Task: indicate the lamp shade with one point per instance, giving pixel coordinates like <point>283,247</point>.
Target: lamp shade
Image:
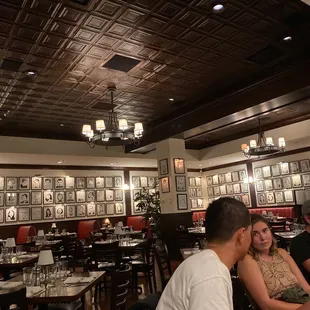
<point>54,225</point>
<point>45,258</point>
<point>10,243</point>
<point>107,221</point>
<point>100,125</point>
<point>253,144</point>
<point>41,233</point>
<point>118,230</point>
<point>244,147</point>
<point>269,141</point>
<point>120,224</point>
<point>86,129</point>
<point>281,142</point>
<point>138,129</point>
<point>123,125</point>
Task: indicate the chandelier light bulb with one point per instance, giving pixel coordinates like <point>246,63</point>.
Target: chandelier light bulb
<point>86,129</point>
<point>244,147</point>
<point>100,125</point>
<point>269,141</point>
<point>253,144</point>
<point>123,125</point>
<point>281,142</point>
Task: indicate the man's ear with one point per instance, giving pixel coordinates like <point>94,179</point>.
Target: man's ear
<point>239,235</point>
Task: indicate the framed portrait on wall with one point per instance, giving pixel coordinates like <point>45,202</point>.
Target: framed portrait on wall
<point>151,181</point>
<point>228,177</point>
<point>143,181</point>
<point>215,179</point>
<point>277,183</point>
<point>119,208</point>
<point>90,196</point>
<point>222,190</point>
<point>59,197</point>
<point>59,182</point>
<point>1,183</point>
<point>199,191</point>
<point>229,189</point>
<point>242,175</point>
<point>70,196</point>
<point>48,197</point>
<point>266,172</point>
<point>296,180</point>
<point>258,173</point>
<point>270,198</point>
<point>238,198</point>
<point>109,195</point>
<point>90,182</point>
<point>152,191</point>
<point>244,187</point>
<point>24,214</point>
<point>287,182</point>
<point>100,209</point>
<point>100,196</point>
<point>164,184</point>
<point>180,183</point>
<point>136,182</point>
<point>209,181</point>
<point>118,182</point>
<point>10,199</point>
<point>216,190</point>
<point>11,183</point>
<point>59,212</point>
<point>261,199</point>
<point>1,215</point>
<point>179,165</point>
<point>10,215</point>
<point>279,197</point>
<point>288,196</point>
<point>80,182</point>
<point>91,209</point>
<point>81,210</point>
<point>268,185</point>
<point>48,183</point>
<point>192,192</point>
<point>36,213</point>
<point>222,178</point>
<point>246,199</point>
<point>70,182</point>
<point>275,170</point>
<point>99,182</point>
<point>235,176</point>
<point>1,199</point>
<point>237,188</point>
<point>24,183</point>
<point>136,209</point>
<point>110,209</point>
<point>163,166</point>
<point>118,195</point>
<point>182,201</point>
<point>80,196</point>
<point>194,203</point>
<point>200,203</point>
<point>304,165</point>
<point>48,213</point>
<point>294,166</point>
<point>210,191</point>
<point>306,179</point>
<point>285,168</point>
<point>23,198</point>
<point>70,211</point>
<point>36,183</point>
<point>198,181</point>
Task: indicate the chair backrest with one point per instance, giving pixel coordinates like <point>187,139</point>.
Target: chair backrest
<point>24,232</point>
<point>163,262</point>
<point>109,253</point>
<point>186,240</point>
<point>119,290</point>
<point>70,245</point>
<point>78,265</point>
<point>16,297</point>
<point>148,303</point>
<point>278,226</point>
<point>85,227</point>
<point>240,298</point>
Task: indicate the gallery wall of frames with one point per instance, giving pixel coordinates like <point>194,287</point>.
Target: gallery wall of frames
<point>29,196</point>
<point>197,188</point>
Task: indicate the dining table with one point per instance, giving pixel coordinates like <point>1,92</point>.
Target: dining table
<point>187,252</point>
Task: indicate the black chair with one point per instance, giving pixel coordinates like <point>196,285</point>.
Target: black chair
<point>16,297</point>
<point>163,262</point>
<point>186,240</point>
<point>241,300</point>
<point>148,303</point>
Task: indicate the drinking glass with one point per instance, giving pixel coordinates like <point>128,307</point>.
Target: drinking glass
<point>19,250</point>
<point>4,252</point>
<point>28,276</point>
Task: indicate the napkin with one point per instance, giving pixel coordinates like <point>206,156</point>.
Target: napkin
<point>10,285</point>
<point>77,280</point>
<point>86,279</point>
<point>32,290</point>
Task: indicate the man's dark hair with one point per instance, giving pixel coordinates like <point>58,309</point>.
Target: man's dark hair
<point>224,217</point>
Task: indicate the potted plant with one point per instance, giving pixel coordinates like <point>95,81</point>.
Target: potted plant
<point>149,204</point>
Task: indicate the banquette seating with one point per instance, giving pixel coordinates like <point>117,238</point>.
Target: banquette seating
<point>85,228</point>
<point>137,222</point>
<point>197,215</point>
<point>24,232</point>
<point>287,212</point>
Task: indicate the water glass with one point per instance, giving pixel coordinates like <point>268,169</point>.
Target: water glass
<point>28,276</point>
<point>19,250</point>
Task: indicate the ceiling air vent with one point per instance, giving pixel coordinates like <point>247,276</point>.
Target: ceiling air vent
<point>9,64</point>
<point>266,55</point>
<point>121,63</point>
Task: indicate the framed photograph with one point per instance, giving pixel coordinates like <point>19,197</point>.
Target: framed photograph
<point>36,213</point>
<point>268,185</point>
<point>156,182</point>
<point>229,189</point>
<point>118,195</point>
<point>151,181</point>
<point>80,182</point>
<point>59,183</point>
<point>90,182</point>
<point>164,184</point>
<point>152,191</point>
<point>261,199</point>
<point>210,191</point>
<point>246,199</point>
<point>296,180</point>
<point>59,197</point>
<point>91,209</point>
<point>199,191</point>
<point>36,183</point>
<point>163,166</point>
<point>228,177</point>
<point>192,192</point>
<point>48,213</point>
<point>2,185</point>
<point>198,181</point>
<point>23,198</point>
<point>10,215</point>
<point>99,182</point>
<point>237,188</point>
<point>242,175</point>
<point>285,168</point>
<point>266,172</point>
<point>222,178</point>
<point>136,209</point>
<point>48,183</point>
<point>136,192</point>
<point>59,212</point>
<point>244,187</point>
<point>70,183</point>
<point>238,198</point>
<point>287,182</point>
<point>216,190</point>
<point>279,197</point>
<point>258,173</point>
<point>209,181</point>
<point>215,180</point>
<point>304,165</point>
<point>143,181</point>
<point>306,179</point>
<point>10,199</point>
<point>194,203</point>
<point>182,201</point>
<point>1,215</point>
<point>235,176</point>
<point>294,166</point>
<point>179,165</point>
<point>109,195</point>
<point>70,211</point>
<point>200,203</point>
<point>100,196</point>
<point>1,199</point>
<point>288,196</point>
<point>277,183</point>
<point>81,210</point>
<point>275,170</point>
<point>11,184</point>
<point>81,196</point>
<point>180,183</point>
<point>90,196</point>
<point>24,214</point>
<point>270,198</point>
<point>48,198</point>
<point>70,196</point>
<point>100,209</point>
<point>222,190</point>
<point>119,208</point>
<point>136,182</point>
<point>24,183</point>
<point>110,209</point>
<point>118,182</point>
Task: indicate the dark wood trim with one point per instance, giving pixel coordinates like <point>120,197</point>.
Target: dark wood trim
<point>251,185</point>
<point>127,193</point>
<point>242,162</point>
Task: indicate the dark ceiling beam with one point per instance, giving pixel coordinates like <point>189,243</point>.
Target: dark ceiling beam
<point>287,81</point>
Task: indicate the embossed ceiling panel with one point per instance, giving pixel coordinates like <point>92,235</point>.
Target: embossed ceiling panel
<point>183,51</point>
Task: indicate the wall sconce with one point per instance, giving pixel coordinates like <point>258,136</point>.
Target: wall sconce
<point>249,180</point>
<point>125,187</point>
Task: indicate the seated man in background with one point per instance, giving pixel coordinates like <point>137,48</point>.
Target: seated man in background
<point>203,280</point>
<point>300,245</point>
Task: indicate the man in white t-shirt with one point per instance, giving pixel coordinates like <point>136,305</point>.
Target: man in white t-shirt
<point>202,282</point>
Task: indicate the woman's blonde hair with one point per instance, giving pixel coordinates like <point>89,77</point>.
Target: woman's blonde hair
<point>256,218</point>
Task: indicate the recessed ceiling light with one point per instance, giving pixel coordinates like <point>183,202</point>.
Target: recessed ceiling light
<point>61,125</point>
<point>218,8</point>
<point>171,99</point>
<point>200,165</point>
<point>60,162</point>
<point>287,39</point>
<point>30,72</point>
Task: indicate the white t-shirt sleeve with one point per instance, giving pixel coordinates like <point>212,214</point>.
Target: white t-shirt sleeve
<point>213,294</point>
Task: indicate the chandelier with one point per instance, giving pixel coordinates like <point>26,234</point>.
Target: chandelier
<point>263,146</point>
<point>116,133</point>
